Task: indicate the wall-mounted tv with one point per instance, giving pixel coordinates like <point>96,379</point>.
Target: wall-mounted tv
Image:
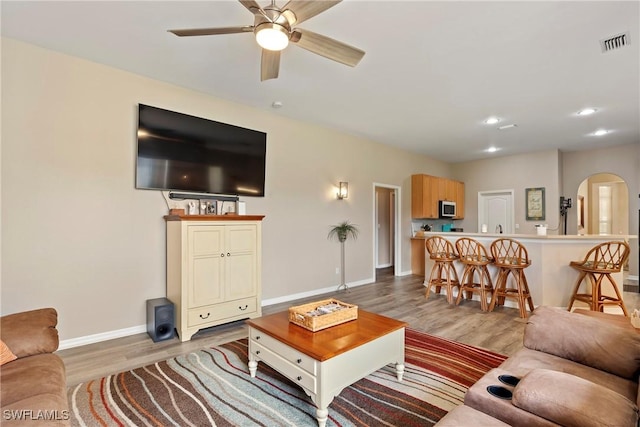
<point>180,152</point>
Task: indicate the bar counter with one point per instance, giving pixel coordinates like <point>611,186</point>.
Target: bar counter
<point>550,277</point>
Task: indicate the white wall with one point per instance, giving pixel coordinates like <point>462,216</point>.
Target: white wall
<point>77,236</point>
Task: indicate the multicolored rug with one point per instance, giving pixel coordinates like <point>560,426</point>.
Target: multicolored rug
<point>213,387</point>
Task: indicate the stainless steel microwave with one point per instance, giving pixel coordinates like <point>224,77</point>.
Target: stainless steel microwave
<point>447,209</point>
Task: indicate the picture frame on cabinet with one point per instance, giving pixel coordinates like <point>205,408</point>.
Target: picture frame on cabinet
<point>535,203</point>
<point>207,207</point>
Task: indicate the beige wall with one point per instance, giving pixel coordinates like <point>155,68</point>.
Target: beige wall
<point>77,236</point>
<point>561,174</point>
<point>518,172</point>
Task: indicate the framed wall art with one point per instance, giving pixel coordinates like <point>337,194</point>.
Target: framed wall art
<point>534,198</point>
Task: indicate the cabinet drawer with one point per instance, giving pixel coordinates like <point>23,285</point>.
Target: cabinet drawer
<point>289,354</point>
<point>210,313</point>
<point>285,367</point>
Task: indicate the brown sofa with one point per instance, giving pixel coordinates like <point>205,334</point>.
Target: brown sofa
<point>33,386</point>
<point>574,370</point>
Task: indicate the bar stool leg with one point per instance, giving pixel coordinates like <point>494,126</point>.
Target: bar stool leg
<point>527,292</point>
<point>619,300</point>
<point>451,274</point>
<point>465,280</point>
<point>499,290</point>
<point>576,288</point>
<point>486,287</point>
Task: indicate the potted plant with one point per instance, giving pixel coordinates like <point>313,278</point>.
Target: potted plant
<point>342,232</point>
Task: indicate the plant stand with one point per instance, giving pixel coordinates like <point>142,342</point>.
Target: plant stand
<point>343,283</point>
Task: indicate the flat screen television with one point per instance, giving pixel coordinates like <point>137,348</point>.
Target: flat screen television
<point>184,153</point>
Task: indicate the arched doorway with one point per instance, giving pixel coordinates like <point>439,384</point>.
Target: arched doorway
<point>603,205</point>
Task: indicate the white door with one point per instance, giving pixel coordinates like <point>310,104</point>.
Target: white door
<point>496,211</point>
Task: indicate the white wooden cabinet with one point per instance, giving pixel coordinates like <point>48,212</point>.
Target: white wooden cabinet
<point>213,269</point>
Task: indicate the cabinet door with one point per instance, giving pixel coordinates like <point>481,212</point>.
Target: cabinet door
<point>205,259</point>
<point>431,196</point>
<point>459,198</point>
<point>424,196</point>
<point>240,261</point>
<point>446,189</point>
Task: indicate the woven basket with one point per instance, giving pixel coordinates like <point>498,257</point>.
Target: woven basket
<point>310,317</point>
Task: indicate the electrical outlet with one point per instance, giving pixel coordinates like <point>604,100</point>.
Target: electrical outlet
<point>337,270</point>
<point>517,226</point>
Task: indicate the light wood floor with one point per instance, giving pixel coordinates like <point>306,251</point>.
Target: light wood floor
<point>398,297</point>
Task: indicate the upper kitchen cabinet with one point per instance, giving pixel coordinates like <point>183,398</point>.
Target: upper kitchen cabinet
<point>427,190</point>
<point>424,196</point>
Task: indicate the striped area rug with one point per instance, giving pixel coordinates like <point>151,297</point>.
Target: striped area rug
<point>213,387</point>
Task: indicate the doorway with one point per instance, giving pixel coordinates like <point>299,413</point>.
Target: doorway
<point>496,211</point>
<point>386,230</point>
<point>603,205</point>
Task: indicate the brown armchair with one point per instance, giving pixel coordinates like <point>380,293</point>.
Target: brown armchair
<point>33,386</point>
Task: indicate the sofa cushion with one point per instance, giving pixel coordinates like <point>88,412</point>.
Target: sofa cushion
<point>477,397</point>
<point>572,401</point>
<point>586,340</point>
<point>29,377</point>
<point>6,355</point>
<point>526,360</point>
<point>30,332</point>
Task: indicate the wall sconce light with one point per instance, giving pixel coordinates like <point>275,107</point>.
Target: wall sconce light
<point>343,190</point>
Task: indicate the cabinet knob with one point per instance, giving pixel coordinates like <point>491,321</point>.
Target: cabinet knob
<point>205,317</point>
<point>257,351</point>
<point>222,255</point>
<point>299,378</point>
<point>299,361</point>
<point>228,254</point>
<point>244,308</point>
<point>257,337</point>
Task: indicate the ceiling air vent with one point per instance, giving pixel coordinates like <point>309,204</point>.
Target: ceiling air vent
<point>615,42</point>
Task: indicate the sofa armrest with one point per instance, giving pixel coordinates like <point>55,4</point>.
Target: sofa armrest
<point>573,401</point>
<point>30,332</point>
<point>586,340</point>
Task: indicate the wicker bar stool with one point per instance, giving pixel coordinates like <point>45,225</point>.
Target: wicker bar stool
<point>475,259</point>
<point>511,258</point>
<point>600,262</point>
<point>443,273</point>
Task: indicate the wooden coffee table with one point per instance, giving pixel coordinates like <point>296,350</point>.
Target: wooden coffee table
<point>323,363</point>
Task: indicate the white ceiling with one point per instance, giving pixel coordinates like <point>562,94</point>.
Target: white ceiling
<point>432,73</point>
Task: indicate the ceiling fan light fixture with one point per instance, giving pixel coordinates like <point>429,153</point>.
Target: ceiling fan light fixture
<point>272,36</point>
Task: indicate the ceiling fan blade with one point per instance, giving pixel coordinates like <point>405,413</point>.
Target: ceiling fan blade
<point>270,64</point>
<point>305,9</point>
<point>327,47</point>
<point>212,31</point>
<point>252,5</point>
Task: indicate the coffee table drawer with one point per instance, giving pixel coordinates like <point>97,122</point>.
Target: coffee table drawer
<point>285,367</point>
<point>209,313</point>
<point>293,356</point>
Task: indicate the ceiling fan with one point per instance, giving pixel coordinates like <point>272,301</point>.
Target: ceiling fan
<point>274,29</point>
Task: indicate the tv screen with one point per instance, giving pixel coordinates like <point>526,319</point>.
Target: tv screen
<point>185,153</point>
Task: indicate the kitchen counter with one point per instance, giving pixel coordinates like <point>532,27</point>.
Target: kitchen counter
<point>550,277</point>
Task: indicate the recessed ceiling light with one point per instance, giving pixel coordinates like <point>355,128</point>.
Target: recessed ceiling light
<point>601,132</point>
<point>586,111</point>
<point>492,120</point>
<point>276,104</point>
<point>505,127</point>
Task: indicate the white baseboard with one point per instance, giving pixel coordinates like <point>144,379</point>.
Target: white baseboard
<point>315,292</point>
<point>104,336</point>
